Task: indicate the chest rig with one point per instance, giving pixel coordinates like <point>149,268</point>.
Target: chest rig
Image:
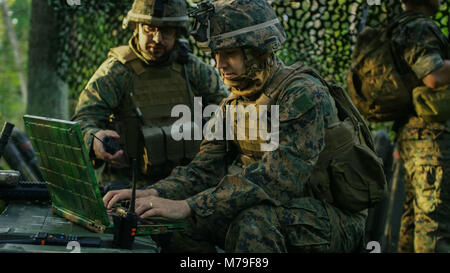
<point>144,118</point>
<point>247,125</point>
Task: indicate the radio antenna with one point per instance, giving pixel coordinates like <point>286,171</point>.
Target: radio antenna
<point>133,190</point>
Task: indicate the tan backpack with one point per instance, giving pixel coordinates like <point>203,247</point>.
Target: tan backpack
<point>379,83</point>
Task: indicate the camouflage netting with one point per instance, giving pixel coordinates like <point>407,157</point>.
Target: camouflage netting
<point>319,32</point>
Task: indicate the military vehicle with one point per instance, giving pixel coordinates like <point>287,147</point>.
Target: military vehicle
<point>65,212</point>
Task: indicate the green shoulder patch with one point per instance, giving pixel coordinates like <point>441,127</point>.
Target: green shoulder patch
<point>303,103</point>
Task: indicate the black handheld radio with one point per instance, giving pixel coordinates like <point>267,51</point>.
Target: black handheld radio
<point>125,226</point>
<point>109,144</point>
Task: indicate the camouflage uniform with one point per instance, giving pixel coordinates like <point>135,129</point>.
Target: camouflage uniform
<point>107,92</point>
<point>265,206</point>
<point>424,148</point>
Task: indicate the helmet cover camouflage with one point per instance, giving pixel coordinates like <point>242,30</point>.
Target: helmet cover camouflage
<point>168,13</point>
<point>240,23</point>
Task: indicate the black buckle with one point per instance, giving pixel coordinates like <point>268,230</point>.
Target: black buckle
<point>200,29</point>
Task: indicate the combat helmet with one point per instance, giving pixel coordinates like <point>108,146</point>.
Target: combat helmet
<point>170,13</point>
<point>237,23</point>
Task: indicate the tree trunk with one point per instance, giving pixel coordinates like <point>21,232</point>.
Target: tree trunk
<point>15,48</point>
<point>47,93</point>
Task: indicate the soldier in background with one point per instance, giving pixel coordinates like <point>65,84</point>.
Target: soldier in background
<point>377,215</point>
<point>424,143</point>
<point>130,96</point>
<point>235,194</point>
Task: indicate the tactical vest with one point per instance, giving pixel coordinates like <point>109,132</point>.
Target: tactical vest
<point>144,118</point>
<point>250,145</point>
<point>348,173</point>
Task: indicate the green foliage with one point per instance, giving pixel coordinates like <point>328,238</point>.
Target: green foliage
<point>87,32</point>
<point>319,33</point>
<point>12,107</point>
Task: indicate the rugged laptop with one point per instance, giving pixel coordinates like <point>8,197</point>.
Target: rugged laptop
<point>69,175</point>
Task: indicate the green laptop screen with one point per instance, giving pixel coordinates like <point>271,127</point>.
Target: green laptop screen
<point>67,170</point>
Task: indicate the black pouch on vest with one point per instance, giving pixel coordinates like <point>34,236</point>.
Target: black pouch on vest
<point>155,144</point>
<point>174,148</point>
<point>355,179</point>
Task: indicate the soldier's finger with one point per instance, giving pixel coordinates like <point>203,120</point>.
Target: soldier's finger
<point>143,204</point>
<point>107,156</point>
<point>108,197</point>
<point>152,212</point>
<point>119,196</point>
<point>117,155</point>
<point>141,209</point>
<point>99,150</point>
<point>111,202</point>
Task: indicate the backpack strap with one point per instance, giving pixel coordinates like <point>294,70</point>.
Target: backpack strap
<point>403,19</point>
<point>400,20</point>
<point>273,90</point>
<point>345,106</point>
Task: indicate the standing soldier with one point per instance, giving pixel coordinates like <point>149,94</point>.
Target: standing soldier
<point>424,137</point>
<point>131,95</point>
<point>270,200</point>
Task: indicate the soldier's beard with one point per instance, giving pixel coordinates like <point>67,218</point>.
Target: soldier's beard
<point>160,55</point>
<point>146,54</point>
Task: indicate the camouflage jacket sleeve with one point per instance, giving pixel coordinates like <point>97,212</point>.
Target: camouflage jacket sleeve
<point>281,175</point>
<point>101,95</point>
<point>422,45</point>
<point>206,81</point>
<point>203,172</point>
